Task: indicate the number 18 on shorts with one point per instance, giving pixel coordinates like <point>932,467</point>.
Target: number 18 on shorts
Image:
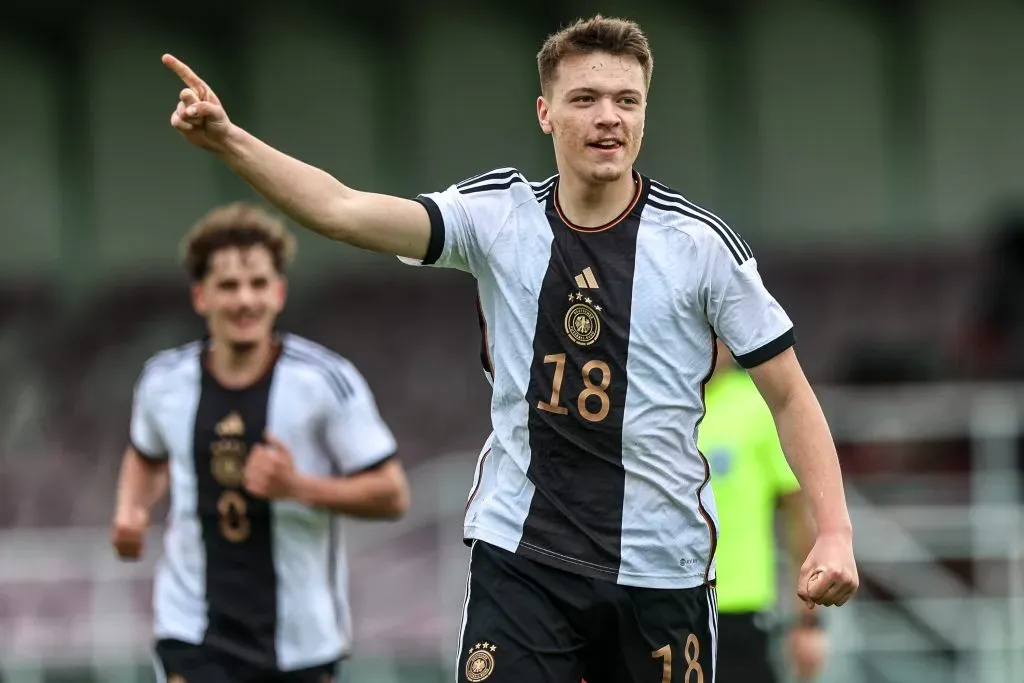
<point>525,621</point>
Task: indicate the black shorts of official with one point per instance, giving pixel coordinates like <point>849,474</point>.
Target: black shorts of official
<point>188,663</point>
<point>529,623</point>
<point>744,653</point>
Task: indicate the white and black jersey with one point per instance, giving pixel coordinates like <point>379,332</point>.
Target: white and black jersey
<point>263,581</point>
<point>598,343</point>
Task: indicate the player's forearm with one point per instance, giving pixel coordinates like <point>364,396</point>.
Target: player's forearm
<point>807,443</point>
<point>317,200</point>
<point>306,193</point>
<point>373,495</point>
<point>141,483</point>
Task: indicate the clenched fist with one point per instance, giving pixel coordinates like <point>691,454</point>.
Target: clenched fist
<point>270,470</point>
<point>128,532</point>
<point>829,574</point>
<point>199,115</point>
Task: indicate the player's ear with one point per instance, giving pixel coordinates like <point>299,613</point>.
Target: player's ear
<point>543,115</point>
<point>281,291</point>
<point>199,298</point>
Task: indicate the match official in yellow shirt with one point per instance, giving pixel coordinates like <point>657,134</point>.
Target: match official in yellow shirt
<point>751,479</point>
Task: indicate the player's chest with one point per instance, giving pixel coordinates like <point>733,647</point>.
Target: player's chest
<point>215,430</point>
<point>600,282</point>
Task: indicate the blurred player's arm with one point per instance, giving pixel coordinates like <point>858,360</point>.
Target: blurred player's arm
<point>380,492</point>
<point>142,481</point>
<point>799,539</point>
<point>806,641</point>
<point>144,476</point>
<point>309,195</point>
<point>377,491</point>
<point>372,483</point>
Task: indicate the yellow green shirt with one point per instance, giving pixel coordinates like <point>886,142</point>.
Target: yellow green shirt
<point>748,474</point>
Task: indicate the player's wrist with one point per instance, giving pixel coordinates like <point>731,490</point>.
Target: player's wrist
<point>232,145</point>
<point>299,488</point>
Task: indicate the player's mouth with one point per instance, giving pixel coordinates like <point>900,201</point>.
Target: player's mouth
<point>606,145</point>
<point>245,320</point>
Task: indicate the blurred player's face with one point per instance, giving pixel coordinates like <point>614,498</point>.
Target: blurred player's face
<point>241,296</point>
<point>594,111</point>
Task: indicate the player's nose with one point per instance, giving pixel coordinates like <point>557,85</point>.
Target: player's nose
<point>607,114</point>
<point>246,297</point>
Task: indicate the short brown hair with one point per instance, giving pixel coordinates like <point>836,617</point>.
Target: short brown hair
<point>597,34</point>
<point>238,224</point>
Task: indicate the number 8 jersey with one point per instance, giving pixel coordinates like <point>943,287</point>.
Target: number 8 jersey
<point>263,581</point>
<point>598,343</point>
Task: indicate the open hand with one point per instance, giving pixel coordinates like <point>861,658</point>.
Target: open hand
<point>270,470</point>
<point>199,116</point>
<point>829,574</point>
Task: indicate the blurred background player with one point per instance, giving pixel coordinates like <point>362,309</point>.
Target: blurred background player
<point>750,479</point>
<point>263,438</point>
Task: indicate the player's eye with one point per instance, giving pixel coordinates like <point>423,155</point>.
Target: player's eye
<point>583,98</point>
<point>260,283</point>
<point>631,101</point>
<point>227,285</point>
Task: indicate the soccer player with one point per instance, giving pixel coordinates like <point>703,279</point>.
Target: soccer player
<point>592,524</point>
<point>263,439</point>
<point>750,478</point>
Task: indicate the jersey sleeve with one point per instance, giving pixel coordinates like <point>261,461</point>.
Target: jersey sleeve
<point>144,433</point>
<point>465,220</point>
<point>356,434</point>
<point>739,307</point>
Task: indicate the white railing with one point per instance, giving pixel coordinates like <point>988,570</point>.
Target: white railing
<point>901,547</point>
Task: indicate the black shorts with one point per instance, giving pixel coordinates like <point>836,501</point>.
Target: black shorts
<point>744,649</point>
<point>187,663</point>
<point>527,622</point>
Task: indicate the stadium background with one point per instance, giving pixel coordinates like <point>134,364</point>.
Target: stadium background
<point>870,152</point>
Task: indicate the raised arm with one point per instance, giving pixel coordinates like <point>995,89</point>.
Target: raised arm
<point>310,196</point>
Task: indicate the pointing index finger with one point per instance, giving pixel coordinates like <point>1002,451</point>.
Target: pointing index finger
<point>184,72</point>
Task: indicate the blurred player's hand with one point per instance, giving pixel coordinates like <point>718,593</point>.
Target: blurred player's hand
<point>199,116</point>
<point>128,532</point>
<point>829,574</point>
<point>807,651</point>
<point>270,470</point>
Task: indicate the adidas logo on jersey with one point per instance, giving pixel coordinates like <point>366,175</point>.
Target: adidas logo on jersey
<point>231,425</point>
<point>586,279</point>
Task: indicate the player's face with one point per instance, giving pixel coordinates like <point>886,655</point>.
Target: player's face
<point>594,111</point>
<point>241,295</point>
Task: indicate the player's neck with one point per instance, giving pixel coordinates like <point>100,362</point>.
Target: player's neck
<point>239,367</point>
<point>592,205</point>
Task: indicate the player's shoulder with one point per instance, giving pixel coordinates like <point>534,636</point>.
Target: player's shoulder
<point>670,208</point>
<point>173,361</point>
<point>308,361</point>
<point>505,186</point>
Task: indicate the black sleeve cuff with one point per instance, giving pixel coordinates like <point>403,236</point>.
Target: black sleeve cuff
<point>373,466</point>
<point>436,244</point>
<point>148,457</point>
<point>768,351</point>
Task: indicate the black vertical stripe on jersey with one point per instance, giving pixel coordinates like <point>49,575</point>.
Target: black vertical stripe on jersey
<point>575,517</point>
<point>241,583</point>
